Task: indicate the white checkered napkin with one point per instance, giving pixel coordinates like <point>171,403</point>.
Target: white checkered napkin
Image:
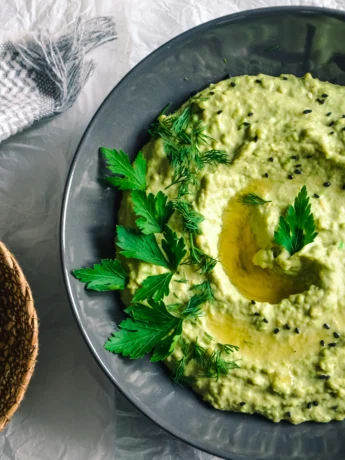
<point>43,76</point>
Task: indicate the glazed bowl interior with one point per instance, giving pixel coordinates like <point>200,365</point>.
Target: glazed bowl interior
<point>292,40</point>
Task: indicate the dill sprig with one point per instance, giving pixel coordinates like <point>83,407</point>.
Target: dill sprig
<point>215,157</point>
<point>178,371</point>
<point>193,308</point>
<point>191,219</point>
<point>205,289</point>
<point>198,353</point>
<point>253,199</point>
<point>218,366</point>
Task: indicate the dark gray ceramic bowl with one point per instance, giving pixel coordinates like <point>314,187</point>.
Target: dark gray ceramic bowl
<point>276,40</point>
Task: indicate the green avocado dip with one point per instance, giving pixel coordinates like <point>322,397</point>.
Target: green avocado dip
<point>253,171</point>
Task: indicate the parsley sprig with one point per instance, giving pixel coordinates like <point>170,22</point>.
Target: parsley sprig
<point>153,211</point>
<point>297,229</point>
<point>118,163</point>
<point>154,327</point>
<point>144,331</point>
<point>109,275</point>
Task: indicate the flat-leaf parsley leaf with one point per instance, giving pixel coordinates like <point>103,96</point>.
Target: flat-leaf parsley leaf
<point>106,276</point>
<point>118,163</point>
<point>138,246</point>
<point>174,247</point>
<point>154,287</point>
<point>141,333</point>
<point>297,229</point>
<point>154,211</point>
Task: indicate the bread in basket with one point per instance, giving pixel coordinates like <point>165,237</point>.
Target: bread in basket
<point>18,335</point>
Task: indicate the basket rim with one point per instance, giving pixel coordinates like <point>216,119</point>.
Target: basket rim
<point>12,262</point>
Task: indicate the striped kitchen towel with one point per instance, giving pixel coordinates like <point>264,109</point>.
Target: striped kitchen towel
<point>42,76</point>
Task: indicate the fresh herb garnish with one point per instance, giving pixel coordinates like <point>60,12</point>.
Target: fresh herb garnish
<point>178,372</point>
<point>154,287</point>
<point>214,157</point>
<point>198,353</point>
<point>218,366</point>
<point>165,347</point>
<point>253,199</point>
<point>193,307</point>
<point>142,332</point>
<point>109,275</point>
<point>134,174</point>
<point>174,247</point>
<point>191,219</point>
<point>138,246</point>
<point>157,286</point>
<point>204,289</point>
<point>154,211</point>
<point>297,229</point>
<point>157,327</point>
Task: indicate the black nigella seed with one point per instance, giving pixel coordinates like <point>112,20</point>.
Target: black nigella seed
<point>276,330</point>
<point>320,101</point>
<point>256,313</point>
<point>233,84</point>
<point>271,159</point>
<point>258,81</point>
<point>256,138</point>
<point>295,157</point>
<point>316,195</point>
<point>246,123</point>
<point>343,187</point>
<point>298,165</point>
<point>253,302</point>
<point>265,320</point>
<point>309,405</point>
<point>288,414</point>
<point>315,403</point>
<point>266,175</point>
<point>336,335</point>
<point>332,132</point>
<point>325,95</point>
<point>329,114</point>
<point>343,129</point>
<point>297,330</point>
<point>284,78</point>
<point>324,377</point>
<point>322,343</point>
<point>212,93</point>
<point>334,407</point>
<point>250,114</point>
<point>242,403</point>
<point>331,123</point>
<point>290,176</point>
<point>309,156</point>
<point>327,326</point>
<point>307,111</point>
<point>298,171</point>
<point>332,344</point>
<point>326,184</point>
<point>219,112</point>
<point>287,326</point>
<point>343,116</point>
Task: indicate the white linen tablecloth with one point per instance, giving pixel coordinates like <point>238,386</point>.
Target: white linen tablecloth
<point>71,410</point>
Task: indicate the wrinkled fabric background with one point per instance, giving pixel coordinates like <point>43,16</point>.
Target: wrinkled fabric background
<point>71,411</point>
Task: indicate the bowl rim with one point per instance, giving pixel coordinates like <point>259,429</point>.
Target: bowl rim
<point>234,17</point>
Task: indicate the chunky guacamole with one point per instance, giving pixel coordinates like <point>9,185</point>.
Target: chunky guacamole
<point>281,313</point>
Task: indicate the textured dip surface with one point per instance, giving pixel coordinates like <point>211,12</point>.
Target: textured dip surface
<point>284,312</point>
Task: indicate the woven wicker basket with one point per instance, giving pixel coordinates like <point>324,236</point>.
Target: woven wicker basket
<point>18,335</point>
